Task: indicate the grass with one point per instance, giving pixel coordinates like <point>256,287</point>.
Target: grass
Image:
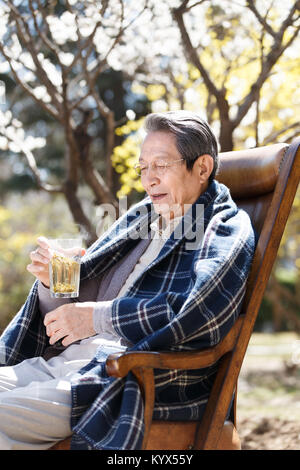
<point>269,382</point>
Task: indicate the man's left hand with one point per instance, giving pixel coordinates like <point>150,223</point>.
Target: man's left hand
<point>71,322</point>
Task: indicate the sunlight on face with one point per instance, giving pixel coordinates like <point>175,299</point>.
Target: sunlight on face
<point>174,188</point>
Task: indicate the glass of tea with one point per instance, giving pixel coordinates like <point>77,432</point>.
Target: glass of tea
<point>64,267</point>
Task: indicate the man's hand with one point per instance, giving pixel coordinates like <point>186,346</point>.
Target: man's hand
<point>40,258</point>
<point>72,322</point>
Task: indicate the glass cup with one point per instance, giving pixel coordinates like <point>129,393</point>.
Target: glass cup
<point>64,267</point>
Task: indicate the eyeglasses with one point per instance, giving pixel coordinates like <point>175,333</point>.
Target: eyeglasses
<point>159,167</point>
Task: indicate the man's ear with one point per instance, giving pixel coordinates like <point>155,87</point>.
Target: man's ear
<point>205,166</point>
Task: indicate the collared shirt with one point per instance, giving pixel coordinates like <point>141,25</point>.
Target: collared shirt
<point>158,239</point>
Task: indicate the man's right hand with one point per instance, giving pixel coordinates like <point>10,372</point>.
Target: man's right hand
<point>40,258</point>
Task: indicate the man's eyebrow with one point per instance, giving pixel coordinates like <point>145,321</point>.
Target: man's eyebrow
<point>164,157</point>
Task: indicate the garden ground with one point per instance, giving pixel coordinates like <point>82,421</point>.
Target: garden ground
<point>268,407</point>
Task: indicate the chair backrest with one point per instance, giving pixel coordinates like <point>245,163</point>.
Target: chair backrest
<point>263,181</point>
<point>251,175</point>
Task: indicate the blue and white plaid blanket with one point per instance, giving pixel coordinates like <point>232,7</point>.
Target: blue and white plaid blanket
<point>187,299</point>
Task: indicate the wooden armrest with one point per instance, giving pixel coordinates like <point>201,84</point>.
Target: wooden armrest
<point>119,364</point>
<point>142,363</point>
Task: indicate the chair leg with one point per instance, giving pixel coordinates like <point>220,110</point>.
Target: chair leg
<point>229,439</point>
<point>62,445</point>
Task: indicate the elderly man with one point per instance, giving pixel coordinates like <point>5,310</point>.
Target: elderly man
<point>178,287</point>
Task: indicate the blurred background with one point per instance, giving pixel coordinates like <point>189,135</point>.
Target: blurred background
<point>76,81</point>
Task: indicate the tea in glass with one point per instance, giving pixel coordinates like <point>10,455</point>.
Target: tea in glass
<point>64,267</point>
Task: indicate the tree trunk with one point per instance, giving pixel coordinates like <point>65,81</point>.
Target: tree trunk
<point>92,178</point>
<point>226,135</point>
<point>87,230</point>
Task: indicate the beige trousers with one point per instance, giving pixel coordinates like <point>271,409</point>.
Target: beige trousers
<point>35,403</point>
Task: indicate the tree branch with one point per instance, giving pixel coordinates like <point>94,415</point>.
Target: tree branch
<point>274,136</point>
<point>33,166</point>
<point>191,52</point>
<point>97,66</point>
<point>73,158</point>
<point>183,7</point>
<point>86,43</point>
<point>52,111</point>
<point>50,45</point>
<point>108,116</point>
<point>97,69</point>
<point>188,8</point>
<point>25,38</point>
<point>87,230</point>
<point>91,175</point>
<point>94,71</point>
<point>272,57</point>
<point>192,55</point>
<point>263,20</point>
<point>289,19</point>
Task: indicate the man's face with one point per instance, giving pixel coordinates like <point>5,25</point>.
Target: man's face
<point>169,187</point>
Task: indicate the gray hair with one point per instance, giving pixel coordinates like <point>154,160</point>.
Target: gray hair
<point>194,136</point>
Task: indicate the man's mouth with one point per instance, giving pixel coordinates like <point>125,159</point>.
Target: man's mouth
<point>157,197</point>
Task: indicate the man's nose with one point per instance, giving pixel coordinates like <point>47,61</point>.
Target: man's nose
<point>151,176</point>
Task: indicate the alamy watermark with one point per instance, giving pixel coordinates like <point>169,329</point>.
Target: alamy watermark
<point>178,221</point>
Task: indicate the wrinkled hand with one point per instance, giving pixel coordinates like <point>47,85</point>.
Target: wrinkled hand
<point>71,322</point>
<point>40,258</point>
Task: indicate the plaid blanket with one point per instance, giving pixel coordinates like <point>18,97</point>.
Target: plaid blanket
<point>187,299</point>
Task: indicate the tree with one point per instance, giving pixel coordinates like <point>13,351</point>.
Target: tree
<point>236,63</point>
<point>224,59</point>
<point>230,51</point>
<point>56,52</point>
<point>268,57</point>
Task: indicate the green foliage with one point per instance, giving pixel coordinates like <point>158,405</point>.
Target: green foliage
<point>126,155</point>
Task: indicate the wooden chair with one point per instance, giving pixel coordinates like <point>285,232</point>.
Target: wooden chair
<point>263,181</point>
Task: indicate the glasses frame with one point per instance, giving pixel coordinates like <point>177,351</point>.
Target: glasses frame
<point>137,166</point>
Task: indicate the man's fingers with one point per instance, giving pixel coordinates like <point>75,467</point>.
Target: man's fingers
<point>43,242</point>
<point>52,328</point>
<point>50,317</point>
<point>59,334</point>
<point>35,268</point>
<point>69,339</point>
<point>44,252</point>
<point>37,257</point>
